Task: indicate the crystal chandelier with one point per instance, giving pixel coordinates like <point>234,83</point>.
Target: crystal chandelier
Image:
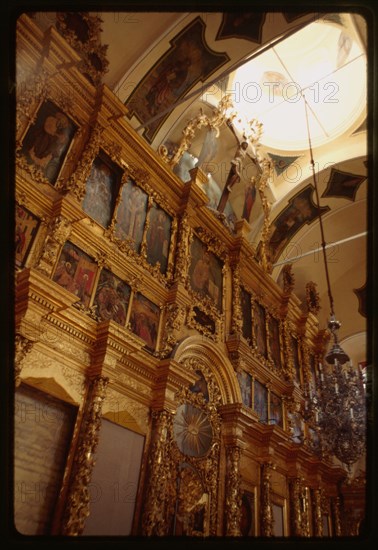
<point>337,407</point>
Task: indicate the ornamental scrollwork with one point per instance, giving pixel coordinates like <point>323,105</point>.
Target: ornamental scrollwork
<point>312,298</point>
<point>77,181</point>
<point>288,279</point>
<point>182,254</point>
<point>23,346</point>
<point>219,117</point>
<point>59,231</point>
<point>174,320</point>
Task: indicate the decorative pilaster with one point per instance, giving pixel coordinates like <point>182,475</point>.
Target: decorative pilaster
<point>317,512</point>
<point>77,508</point>
<point>266,505</point>
<point>233,492</point>
<point>23,346</point>
<point>154,520</point>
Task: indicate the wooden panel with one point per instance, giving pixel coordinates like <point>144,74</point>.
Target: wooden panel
<point>114,483</point>
<point>43,430</point>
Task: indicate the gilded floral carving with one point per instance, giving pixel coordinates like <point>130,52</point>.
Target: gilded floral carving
<point>78,501</point>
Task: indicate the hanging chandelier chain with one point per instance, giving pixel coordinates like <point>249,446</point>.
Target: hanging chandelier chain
<point>323,243</point>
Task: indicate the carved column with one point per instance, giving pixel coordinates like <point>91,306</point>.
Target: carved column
<point>233,491</point>
<point>237,315</point>
<point>154,520</point>
<point>22,348</point>
<point>295,507</point>
<point>266,505</point>
<point>77,507</point>
<point>317,512</point>
<point>183,252</point>
<point>335,506</point>
<point>305,513</point>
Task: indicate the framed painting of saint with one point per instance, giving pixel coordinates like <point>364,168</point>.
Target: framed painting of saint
<point>276,415</point>
<point>131,214</point>
<point>259,326</point>
<point>76,272</point>
<point>245,383</point>
<point>205,272</point>
<point>245,298</point>
<point>274,341</point>
<point>101,189</point>
<point>260,401</point>
<point>26,229</point>
<point>158,237</point>
<point>144,320</point>
<point>48,139</point>
<point>112,298</point>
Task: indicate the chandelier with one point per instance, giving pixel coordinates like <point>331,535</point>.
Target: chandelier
<point>336,409</point>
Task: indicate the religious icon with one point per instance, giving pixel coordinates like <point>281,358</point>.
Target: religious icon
<point>260,401</point>
<point>158,237</point>
<point>274,341</point>
<point>144,320</point>
<point>246,314</point>
<point>48,139</point>
<point>276,416</point>
<point>235,173</point>
<point>26,229</point>
<point>76,272</point>
<point>259,325</point>
<point>112,298</point>
<point>205,272</point>
<point>249,199</point>
<point>101,189</point>
<point>131,214</point>
<point>245,383</point>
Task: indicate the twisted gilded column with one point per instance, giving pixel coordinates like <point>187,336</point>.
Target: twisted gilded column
<point>266,505</point>
<point>299,508</point>
<point>237,314</point>
<point>154,518</point>
<point>77,507</point>
<point>295,507</point>
<point>317,512</point>
<point>335,503</point>
<point>233,491</point>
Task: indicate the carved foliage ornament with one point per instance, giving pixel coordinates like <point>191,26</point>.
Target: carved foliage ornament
<point>83,32</point>
<point>78,501</point>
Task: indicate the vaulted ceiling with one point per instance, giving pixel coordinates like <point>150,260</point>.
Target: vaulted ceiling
<point>166,67</point>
